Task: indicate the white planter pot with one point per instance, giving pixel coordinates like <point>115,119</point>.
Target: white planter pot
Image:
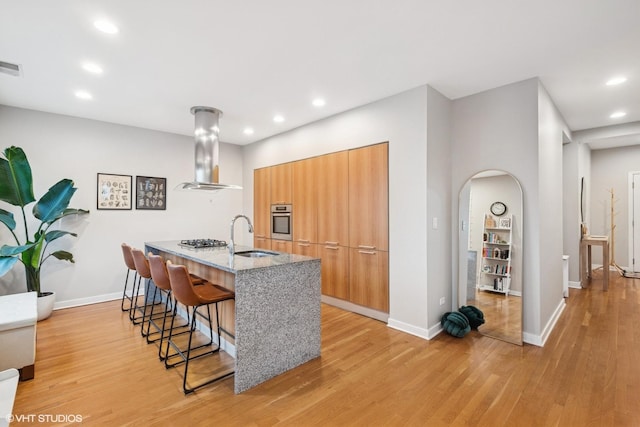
<point>45,305</point>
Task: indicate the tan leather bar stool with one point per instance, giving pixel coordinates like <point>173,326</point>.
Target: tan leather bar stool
<point>160,278</point>
<point>128,261</point>
<point>142,267</point>
<point>195,297</point>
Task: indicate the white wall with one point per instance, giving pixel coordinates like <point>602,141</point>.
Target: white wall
<point>551,127</point>
<point>66,147</point>
<point>438,206</point>
<point>400,120</point>
<point>499,129</point>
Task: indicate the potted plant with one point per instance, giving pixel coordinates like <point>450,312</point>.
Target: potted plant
<point>16,188</point>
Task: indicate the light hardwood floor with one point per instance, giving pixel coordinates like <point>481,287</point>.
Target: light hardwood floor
<point>92,362</point>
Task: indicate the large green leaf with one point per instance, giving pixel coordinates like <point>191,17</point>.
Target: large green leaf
<point>53,204</point>
<point>32,257</point>
<point>8,250</point>
<point>6,264</point>
<point>63,255</point>
<point>16,182</point>
<point>71,211</point>
<point>56,234</point>
<point>7,219</point>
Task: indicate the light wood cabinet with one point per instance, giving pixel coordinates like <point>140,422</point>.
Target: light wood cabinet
<point>281,245</point>
<point>261,242</point>
<point>262,203</point>
<point>333,199</point>
<point>306,249</point>
<point>304,175</point>
<point>369,198</point>
<point>281,184</point>
<point>340,210</point>
<point>335,271</point>
<point>369,278</point>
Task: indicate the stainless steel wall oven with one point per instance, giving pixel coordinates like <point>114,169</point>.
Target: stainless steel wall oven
<point>281,222</point>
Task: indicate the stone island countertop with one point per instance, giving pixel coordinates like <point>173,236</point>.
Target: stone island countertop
<point>276,315</point>
<point>220,258</point>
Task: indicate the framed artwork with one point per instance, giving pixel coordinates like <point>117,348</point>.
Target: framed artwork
<point>151,193</point>
<point>114,192</point>
<point>505,223</point>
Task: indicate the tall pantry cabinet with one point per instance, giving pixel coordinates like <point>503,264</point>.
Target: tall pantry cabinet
<point>369,227</point>
<point>281,184</point>
<point>262,208</point>
<point>304,175</point>
<point>333,224</point>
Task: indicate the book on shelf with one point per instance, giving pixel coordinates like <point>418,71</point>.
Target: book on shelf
<point>501,283</point>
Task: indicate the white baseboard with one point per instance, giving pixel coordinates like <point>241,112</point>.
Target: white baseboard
<point>540,340</point>
<point>58,305</point>
<point>411,329</point>
<point>435,330</point>
<point>574,285</point>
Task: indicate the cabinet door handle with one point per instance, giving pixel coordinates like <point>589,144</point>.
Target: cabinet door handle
<point>333,248</point>
<point>260,236</point>
<point>366,247</point>
<point>304,244</point>
<point>367,252</point>
<point>331,243</point>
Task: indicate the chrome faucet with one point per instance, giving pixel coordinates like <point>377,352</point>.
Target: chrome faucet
<point>231,244</point>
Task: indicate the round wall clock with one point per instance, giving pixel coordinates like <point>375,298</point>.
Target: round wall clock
<point>498,208</point>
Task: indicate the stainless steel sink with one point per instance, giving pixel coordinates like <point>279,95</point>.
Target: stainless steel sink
<point>255,253</point>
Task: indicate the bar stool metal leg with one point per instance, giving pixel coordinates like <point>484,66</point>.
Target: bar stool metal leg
<point>144,272</point>
<point>128,260</point>
<point>160,277</point>
<point>196,297</point>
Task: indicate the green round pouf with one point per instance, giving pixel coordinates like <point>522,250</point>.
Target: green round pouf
<point>474,314</point>
<point>455,324</point>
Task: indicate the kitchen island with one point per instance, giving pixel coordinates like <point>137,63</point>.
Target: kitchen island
<point>274,324</point>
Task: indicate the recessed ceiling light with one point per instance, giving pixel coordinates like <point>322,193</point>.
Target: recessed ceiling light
<point>248,131</point>
<point>318,102</point>
<point>618,114</point>
<point>82,94</point>
<point>278,118</point>
<point>106,26</point>
<point>92,68</point>
<point>616,81</point>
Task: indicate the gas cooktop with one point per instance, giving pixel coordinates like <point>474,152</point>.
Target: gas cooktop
<point>203,243</point>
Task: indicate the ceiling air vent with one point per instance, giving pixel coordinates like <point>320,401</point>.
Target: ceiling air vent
<point>9,68</point>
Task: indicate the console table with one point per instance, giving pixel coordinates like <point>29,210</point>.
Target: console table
<point>585,259</point>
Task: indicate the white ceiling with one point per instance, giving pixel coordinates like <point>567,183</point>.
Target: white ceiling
<point>253,59</point>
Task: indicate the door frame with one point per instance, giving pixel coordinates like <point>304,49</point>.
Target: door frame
<point>631,222</point>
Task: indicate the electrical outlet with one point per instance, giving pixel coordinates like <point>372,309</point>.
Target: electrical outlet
<point>442,300</point>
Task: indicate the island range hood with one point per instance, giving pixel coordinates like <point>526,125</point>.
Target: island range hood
<point>206,153</point>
